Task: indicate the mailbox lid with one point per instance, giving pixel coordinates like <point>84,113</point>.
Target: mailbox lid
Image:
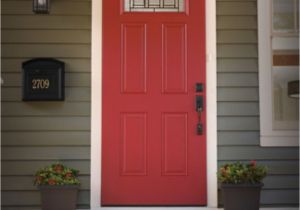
<point>43,63</point>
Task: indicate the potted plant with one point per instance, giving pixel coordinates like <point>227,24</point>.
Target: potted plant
<point>241,184</point>
<point>58,185</point>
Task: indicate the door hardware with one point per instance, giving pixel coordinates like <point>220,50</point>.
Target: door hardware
<point>199,109</point>
<point>199,129</point>
<point>199,103</point>
<point>199,87</point>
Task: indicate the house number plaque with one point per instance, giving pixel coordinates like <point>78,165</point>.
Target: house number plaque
<point>43,80</point>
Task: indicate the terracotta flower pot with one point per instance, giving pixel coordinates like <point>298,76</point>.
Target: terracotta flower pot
<point>241,196</point>
<point>59,197</point>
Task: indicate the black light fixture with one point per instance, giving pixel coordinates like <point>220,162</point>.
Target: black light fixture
<point>41,6</point>
<point>293,89</point>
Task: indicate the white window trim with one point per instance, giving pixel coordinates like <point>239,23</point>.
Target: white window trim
<point>96,107</point>
<point>268,136</point>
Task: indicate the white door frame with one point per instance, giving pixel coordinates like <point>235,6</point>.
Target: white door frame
<point>96,102</point>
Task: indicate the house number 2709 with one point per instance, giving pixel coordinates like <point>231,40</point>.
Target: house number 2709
<point>40,84</point>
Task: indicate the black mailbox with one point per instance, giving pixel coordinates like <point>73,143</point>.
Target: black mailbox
<point>43,80</point>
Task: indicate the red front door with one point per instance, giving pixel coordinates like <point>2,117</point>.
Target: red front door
<point>151,152</point>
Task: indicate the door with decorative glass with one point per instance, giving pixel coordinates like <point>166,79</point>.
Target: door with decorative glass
<point>154,136</point>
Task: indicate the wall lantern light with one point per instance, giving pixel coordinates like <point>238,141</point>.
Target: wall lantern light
<point>41,6</point>
<point>293,89</point>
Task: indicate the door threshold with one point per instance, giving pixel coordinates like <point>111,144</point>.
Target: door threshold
<point>177,208</point>
<point>154,208</point>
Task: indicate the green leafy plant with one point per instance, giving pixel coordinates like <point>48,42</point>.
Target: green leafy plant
<point>241,173</point>
<point>56,174</point>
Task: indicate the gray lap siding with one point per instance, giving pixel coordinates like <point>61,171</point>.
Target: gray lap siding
<point>35,134</point>
<point>238,104</point>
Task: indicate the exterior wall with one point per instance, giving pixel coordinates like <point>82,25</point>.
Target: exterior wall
<point>35,134</point>
<point>238,105</point>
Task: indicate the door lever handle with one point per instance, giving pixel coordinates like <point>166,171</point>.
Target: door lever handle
<point>199,103</point>
<point>199,109</point>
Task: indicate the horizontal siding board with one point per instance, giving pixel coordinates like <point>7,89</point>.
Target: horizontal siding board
<point>281,182</point>
<point>280,197</point>
<point>45,123</point>
<point>238,109</point>
<point>237,94</point>
<point>78,80</point>
<point>276,167</point>
<point>33,207</point>
<point>71,80</point>
<point>237,80</point>
<point>238,138</point>
<point>46,153</point>
<point>236,8</point>
<point>238,123</point>
<point>53,50</point>
<point>236,22</point>
<point>14,7</point>
<point>25,183</point>
<point>45,109</point>
<point>236,36</point>
<point>77,94</point>
<point>33,198</point>
<point>256,152</point>
<point>14,65</point>
<point>289,167</point>
<point>46,36</point>
<point>29,167</point>
<point>47,138</point>
<point>282,167</point>
<point>238,65</point>
<point>38,22</point>
<point>237,51</point>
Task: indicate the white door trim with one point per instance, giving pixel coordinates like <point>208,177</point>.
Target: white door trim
<point>96,102</point>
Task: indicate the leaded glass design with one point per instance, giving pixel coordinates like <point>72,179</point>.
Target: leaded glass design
<point>154,5</point>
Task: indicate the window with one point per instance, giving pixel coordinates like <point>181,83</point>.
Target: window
<point>154,5</point>
<point>278,26</point>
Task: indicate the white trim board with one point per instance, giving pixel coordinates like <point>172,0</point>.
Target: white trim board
<point>96,115</point>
